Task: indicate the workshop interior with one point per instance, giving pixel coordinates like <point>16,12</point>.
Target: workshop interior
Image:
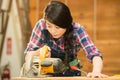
<point>101,19</point>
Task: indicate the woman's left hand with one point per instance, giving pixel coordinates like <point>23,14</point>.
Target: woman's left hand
<point>96,75</point>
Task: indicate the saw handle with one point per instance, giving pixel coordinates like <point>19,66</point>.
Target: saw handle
<point>44,51</point>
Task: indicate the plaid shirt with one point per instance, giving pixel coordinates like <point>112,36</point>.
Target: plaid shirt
<point>80,39</point>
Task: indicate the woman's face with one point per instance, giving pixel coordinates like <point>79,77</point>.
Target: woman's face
<point>54,30</point>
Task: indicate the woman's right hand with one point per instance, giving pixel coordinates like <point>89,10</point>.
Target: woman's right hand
<point>31,53</point>
<point>37,53</point>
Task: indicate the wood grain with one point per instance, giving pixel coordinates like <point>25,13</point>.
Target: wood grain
<point>67,78</point>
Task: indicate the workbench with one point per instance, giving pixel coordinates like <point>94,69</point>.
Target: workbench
<point>67,78</point>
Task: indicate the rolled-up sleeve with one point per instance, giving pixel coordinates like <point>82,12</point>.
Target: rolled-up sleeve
<point>36,39</point>
<point>87,45</point>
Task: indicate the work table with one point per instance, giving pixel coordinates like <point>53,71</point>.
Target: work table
<point>66,78</point>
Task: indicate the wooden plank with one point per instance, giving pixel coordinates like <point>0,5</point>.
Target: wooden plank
<point>67,78</point>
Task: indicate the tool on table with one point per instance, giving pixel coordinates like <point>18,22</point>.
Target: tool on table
<point>39,66</point>
<point>49,65</point>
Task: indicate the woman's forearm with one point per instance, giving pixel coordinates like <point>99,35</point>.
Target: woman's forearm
<point>97,64</point>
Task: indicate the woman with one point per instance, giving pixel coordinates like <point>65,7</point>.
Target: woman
<point>65,38</point>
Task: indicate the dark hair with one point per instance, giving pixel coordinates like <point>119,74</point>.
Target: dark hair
<point>59,14</point>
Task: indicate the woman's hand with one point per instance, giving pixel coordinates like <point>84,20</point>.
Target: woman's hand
<point>48,55</point>
<point>45,51</point>
<point>37,53</point>
<point>29,54</point>
<point>96,75</point>
<point>97,68</point>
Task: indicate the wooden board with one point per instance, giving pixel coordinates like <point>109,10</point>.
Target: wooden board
<point>67,78</point>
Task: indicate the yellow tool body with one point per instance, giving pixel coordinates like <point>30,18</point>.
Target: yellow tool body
<point>43,52</point>
<point>49,65</point>
<point>47,68</point>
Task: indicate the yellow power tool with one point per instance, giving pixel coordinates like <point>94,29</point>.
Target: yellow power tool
<point>49,65</point>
